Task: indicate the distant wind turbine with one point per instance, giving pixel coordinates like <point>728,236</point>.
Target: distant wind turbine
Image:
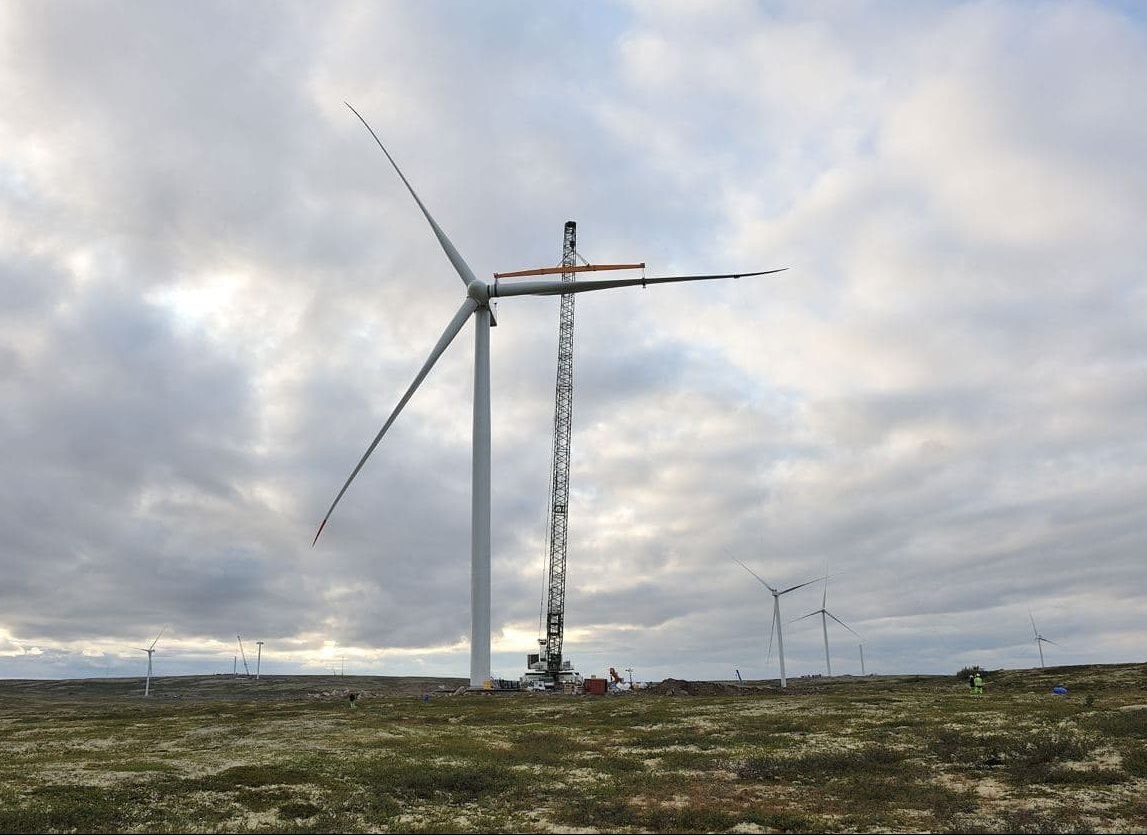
<point>776,616</point>
<point>824,615</point>
<point>1039,639</point>
<point>479,295</point>
<point>150,651</point>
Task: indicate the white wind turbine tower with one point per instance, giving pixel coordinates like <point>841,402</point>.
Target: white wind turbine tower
<point>825,614</point>
<point>479,295</point>
<point>150,651</point>
<point>1039,639</point>
<point>776,616</point>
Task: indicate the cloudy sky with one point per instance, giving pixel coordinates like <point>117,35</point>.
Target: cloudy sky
<point>213,290</point>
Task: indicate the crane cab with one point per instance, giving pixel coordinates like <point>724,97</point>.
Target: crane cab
<point>538,677</point>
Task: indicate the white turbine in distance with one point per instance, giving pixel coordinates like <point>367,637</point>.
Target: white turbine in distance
<point>825,614</point>
<point>150,651</point>
<point>776,617</point>
<point>477,304</point>
<point>1039,639</point>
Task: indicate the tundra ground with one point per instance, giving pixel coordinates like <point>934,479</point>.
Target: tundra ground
<point>291,754</point>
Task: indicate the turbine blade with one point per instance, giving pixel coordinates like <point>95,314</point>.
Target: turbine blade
<point>766,585</point>
<point>1035,631</point>
<point>802,617</point>
<point>801,586</point>
<point>772,631</point>
<point>556,288</point>
<point>1049,641</point>
<point>468,307</point>
<point>157,637</point>
<point>842,623</point>
<point>460,265</point>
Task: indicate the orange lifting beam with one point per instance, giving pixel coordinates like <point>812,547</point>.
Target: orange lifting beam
<point>574,269</point>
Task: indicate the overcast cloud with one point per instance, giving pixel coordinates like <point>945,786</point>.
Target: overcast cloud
<point>213,290</point>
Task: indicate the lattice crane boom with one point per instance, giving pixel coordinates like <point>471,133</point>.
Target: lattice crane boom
<point>560,470</point>
<point>243,653</point>
<point>549,661</point>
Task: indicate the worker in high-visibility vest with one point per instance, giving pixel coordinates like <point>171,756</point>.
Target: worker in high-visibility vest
<point>978,685</point>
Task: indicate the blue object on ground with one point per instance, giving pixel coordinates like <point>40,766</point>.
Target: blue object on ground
<point>1060,690</point>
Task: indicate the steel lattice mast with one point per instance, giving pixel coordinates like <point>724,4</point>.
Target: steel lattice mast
<point>242,652</point>
<point>560,471</point>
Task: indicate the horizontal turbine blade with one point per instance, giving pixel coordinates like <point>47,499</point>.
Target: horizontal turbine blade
<point>802,617</point>
<point>468,307</point>
<point>557,288</point>
<point>801,586</point>
<point>842,623</point>
<point>460,265</point>
<point>766,585</point>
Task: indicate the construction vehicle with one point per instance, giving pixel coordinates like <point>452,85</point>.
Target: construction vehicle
<point>547,669</point>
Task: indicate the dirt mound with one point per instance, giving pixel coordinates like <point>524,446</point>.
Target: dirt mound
<point>680,687</point>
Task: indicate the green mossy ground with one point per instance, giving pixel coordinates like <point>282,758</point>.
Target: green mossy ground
<point>848,754</point>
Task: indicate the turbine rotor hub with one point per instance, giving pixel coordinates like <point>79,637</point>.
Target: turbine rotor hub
<point>479,291</point>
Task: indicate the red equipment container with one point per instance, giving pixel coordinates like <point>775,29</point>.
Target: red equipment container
<point>595,686</point>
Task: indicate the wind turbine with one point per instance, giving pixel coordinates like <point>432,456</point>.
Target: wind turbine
<point>776,616</point>
<point>150,651</point>
<point>258,659</point>
<point>1039,639</point>
<point>479,295</point>
<point>825,614</point>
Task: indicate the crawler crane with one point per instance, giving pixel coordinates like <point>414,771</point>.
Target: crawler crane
<point>547,669</point>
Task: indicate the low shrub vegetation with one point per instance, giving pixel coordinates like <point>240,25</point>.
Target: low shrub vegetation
<point>893,754</point>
